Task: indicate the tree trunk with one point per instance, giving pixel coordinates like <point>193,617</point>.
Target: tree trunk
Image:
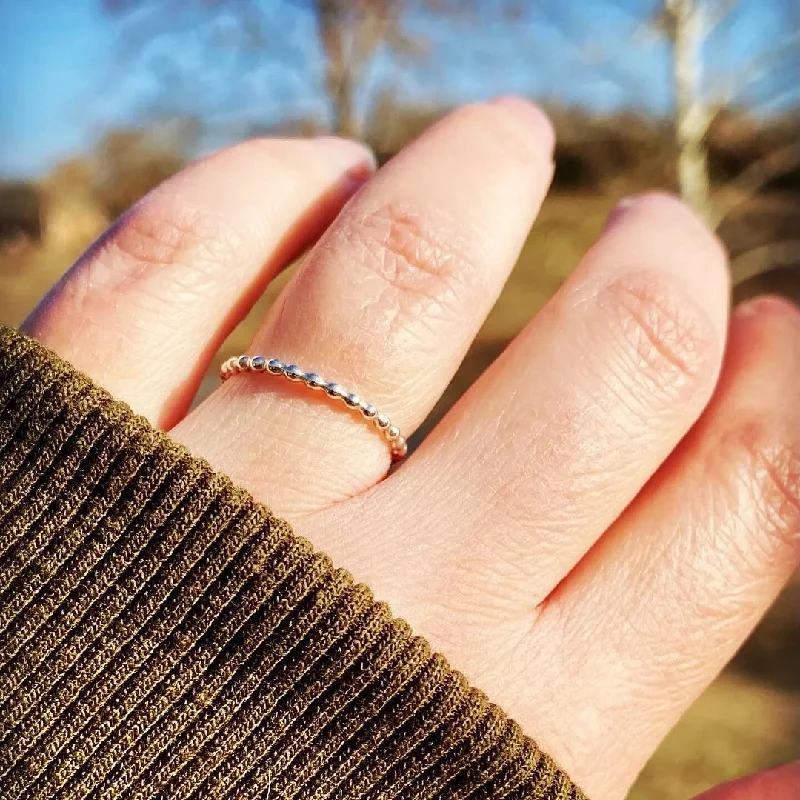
<point>344,111</point>
<point>339,77</point>
<point>693,116</point>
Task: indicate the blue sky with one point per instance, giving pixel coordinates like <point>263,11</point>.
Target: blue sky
<point>51,56</point>
<point>66,75</point>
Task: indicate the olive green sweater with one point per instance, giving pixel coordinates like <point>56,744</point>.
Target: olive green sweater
<point>164,636</point>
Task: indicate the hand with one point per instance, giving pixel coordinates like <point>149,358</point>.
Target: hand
<point>777,784</point>
<point>595,527</point>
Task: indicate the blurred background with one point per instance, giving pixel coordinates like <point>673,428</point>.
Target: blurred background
<point>102,99</point>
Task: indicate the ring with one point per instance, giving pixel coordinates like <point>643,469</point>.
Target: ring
<point>396,441</point>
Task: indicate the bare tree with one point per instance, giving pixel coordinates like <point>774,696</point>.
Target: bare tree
<point>686,25</point>
<point>350,34</point>
<point>692,31</point>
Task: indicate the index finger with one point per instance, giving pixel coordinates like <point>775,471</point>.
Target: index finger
<point>145,309</point>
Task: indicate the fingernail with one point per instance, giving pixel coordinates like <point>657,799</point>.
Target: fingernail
<point>350,151</point>
<point>619,212</point>
<point>531,115</point>
<point>768,304</point>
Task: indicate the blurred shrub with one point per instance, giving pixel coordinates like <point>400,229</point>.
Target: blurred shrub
<point>45,226</point>
<point>608,154</point>
<point>20,212</point>
<point>126,164</point>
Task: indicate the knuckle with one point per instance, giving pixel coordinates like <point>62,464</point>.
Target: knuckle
<point>666,341</point>
<point>165,230</point>
<point>418,255</point>
<point>766,456</point>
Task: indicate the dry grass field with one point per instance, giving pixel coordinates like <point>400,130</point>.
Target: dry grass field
<point>750,718</point>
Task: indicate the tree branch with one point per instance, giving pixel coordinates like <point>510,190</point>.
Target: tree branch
<point>761,259</point>
<point>718,14</point>
<point>761,67</point>
<point>756,176</point>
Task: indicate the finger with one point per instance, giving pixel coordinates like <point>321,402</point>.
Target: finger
<point>668,595</point>
<point>386,304</point>
<point>559,435</point>
<point>780,783</point>
<point>147,306</point>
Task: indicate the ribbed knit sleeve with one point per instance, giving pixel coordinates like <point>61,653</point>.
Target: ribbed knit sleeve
<point>164,636</point>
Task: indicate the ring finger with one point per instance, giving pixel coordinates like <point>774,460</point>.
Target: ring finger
<point>386,304</point>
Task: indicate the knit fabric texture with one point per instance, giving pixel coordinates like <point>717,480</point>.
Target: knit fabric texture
<point>162,635</point>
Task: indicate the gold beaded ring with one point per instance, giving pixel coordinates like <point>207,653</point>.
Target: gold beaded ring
<point>396,441</point>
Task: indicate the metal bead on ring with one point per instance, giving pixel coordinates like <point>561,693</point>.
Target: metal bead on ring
<point>273,366</point>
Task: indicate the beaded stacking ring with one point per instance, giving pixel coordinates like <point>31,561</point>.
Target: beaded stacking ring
<point>396,441</point>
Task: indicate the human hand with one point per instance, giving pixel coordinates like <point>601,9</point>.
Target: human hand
<point>776,784</point>
<point>588,535</point>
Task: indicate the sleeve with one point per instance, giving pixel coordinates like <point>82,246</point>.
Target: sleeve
<point>162,635</point>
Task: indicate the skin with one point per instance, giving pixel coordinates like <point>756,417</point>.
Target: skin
<point>781,783</point>
<point>597,525</point>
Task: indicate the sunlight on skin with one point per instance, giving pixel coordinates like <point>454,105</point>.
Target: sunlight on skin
<point>781,783</point>
<point>615,490</point>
